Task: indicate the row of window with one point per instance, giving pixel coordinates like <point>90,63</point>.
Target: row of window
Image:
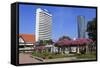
<point>44,13</point>
<point>45,31</point>
<point>45,34</point>
<point>45,20</point>
<point>42,23</point>
<point>47,27</point>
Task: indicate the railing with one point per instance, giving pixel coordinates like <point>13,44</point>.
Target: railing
<point>26,48</point>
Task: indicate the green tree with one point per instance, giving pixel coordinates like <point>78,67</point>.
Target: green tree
<point>62,48</point>
<point>65,37</point>
<point>91,29</point>
<point>41,42</point>
<point>45,42</point>
<point>50,41</point>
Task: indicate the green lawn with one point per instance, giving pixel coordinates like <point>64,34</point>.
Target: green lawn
<point>86,56</point>
<point>48,55</point>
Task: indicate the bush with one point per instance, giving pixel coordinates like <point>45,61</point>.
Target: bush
<point>49,55</point>
<point>88,56</point>
<point>82,51</point>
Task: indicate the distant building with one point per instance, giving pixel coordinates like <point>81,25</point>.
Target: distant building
<point>81,26</point>
<point>43,25</point>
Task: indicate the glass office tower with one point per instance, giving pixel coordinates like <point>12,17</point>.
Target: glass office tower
<point>81,26</point>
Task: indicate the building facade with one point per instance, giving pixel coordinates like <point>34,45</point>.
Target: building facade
<point>43,25</point>
<point>26,42</point>
<point>81,27</point>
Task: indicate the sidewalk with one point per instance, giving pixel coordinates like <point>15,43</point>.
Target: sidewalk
<point>60,59</point>
<point>26,58</point>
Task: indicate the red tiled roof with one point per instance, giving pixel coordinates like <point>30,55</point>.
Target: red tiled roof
<point>28,37</point>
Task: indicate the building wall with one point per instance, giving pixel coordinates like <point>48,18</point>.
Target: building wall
<point>81,26</point>
<point>21,40</point>
<point>43,25</point>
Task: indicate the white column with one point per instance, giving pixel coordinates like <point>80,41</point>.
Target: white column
<point>78,51</point>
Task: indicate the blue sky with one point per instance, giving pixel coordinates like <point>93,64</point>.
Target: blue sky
<point>64,19</point>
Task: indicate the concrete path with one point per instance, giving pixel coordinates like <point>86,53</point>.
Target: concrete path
<point>25,58</point>
<point>60,59</point>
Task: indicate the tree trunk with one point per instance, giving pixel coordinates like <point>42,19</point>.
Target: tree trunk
<point>87,49</point>
<point>58,49</point>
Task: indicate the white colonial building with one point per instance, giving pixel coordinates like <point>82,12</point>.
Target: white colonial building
<point>26,42</point>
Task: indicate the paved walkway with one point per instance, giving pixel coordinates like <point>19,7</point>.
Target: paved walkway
<point>26,58</point>
<point>60,59</point>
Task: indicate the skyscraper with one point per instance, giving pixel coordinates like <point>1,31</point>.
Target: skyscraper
<point>43,24</point>
<point>81,26</point>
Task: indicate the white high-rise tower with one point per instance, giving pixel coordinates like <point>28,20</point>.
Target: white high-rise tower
<point>43,25</point>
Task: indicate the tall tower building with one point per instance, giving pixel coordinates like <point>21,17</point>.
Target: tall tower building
<point>43,25</point>
<point>81,26</point>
